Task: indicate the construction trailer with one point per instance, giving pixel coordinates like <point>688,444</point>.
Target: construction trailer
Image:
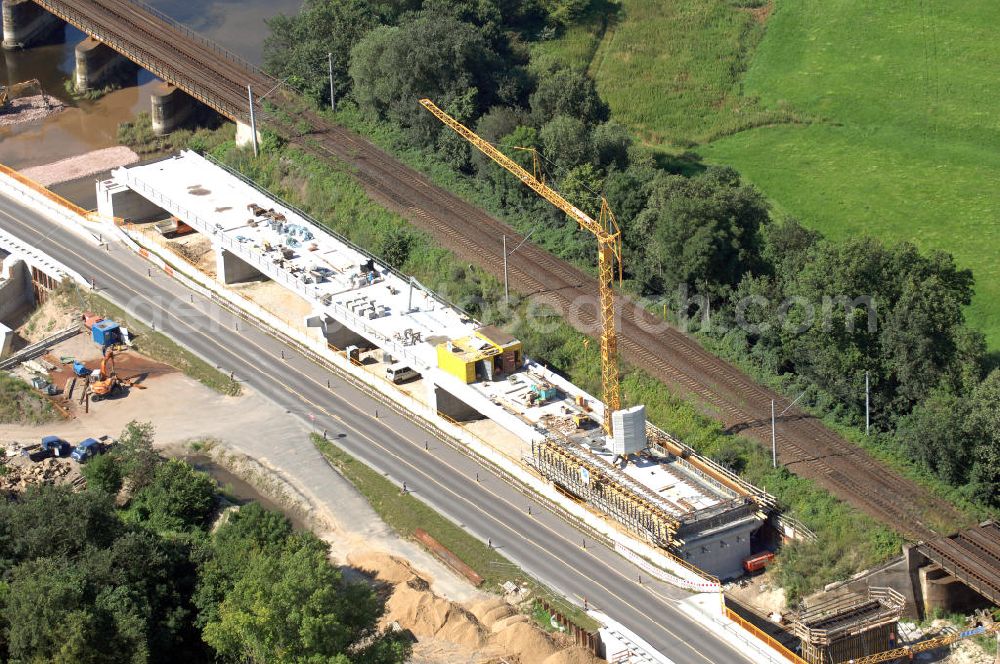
<point>849,626</point>
<point>486,354</point>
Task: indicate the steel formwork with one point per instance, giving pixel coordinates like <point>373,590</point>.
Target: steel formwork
<point>631,504</point>
<point>849,626</point>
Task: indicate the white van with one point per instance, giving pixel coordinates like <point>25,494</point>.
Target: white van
<point>400,373</point>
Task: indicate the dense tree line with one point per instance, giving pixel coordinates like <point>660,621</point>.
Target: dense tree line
<point>819,314</point>
<point>85,581</point>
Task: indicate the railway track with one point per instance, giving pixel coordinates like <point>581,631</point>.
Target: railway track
<point>804,444</point>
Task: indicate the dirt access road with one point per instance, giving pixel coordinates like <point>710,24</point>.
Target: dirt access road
<point>805,445</point>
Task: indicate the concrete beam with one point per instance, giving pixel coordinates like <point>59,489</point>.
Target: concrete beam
<point>231,269</point>
<point>26,24</point>
<point>7,337</point>
<point>334,333</point>
<point>451,406</point>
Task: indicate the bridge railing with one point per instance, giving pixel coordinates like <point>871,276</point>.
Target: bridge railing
<point>201,39</point>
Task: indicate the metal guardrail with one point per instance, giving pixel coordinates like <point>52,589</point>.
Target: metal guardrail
<point>194,36</point>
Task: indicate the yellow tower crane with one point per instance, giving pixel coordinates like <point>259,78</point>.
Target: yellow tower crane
<point>609,257</point>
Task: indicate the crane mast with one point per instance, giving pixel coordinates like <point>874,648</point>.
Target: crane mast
<point>609,257</point>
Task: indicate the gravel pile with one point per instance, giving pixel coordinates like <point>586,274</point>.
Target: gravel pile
<point>29,109</point>
<point>81,165</point>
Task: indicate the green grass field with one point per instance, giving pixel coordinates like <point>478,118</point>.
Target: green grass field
<point>854,117</point>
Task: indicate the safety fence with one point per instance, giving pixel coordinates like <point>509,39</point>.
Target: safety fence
<point>701,582</point>
<point>762,636</point>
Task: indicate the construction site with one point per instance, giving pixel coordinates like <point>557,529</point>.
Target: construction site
<point>431,354</point>
<point>651,484</point>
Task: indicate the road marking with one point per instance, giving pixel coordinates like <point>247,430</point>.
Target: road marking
<point>337,397</point>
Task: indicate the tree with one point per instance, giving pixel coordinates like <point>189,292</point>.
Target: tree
<point>612,142</point>
<point>495,125</point>
<point>134,452</point>
<point>296,607</point>
<point>887,310</point>
<point>246,533</point>
<point>103,473</point>
<point>439,57</point>
<point>984,426</point>
<point>565,143</point>
<point>54,521</point>
<point>564,12</point>
<point>394,248</point>
<point>178,498</point>
<point>47,595</point>
<point>565,91</point>
<point>298,46</point>
<point>85,588</point>
<point>702,231</point>
<point>935,435</point>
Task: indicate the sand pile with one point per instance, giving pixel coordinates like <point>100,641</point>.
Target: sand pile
<point>28,109</point>
<point>572,655</point>
<point>482,631</point>
<point>521,638</point>
<point>385,568</point>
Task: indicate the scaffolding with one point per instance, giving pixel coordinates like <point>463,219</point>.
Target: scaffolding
<point>849,626</point>
<point>578,471</point>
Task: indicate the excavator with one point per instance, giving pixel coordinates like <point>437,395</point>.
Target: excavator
<point>107,383</point>
<point>8,93</point>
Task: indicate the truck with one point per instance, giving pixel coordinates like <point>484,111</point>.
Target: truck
<point>55,446</point>
<point>88,448</point>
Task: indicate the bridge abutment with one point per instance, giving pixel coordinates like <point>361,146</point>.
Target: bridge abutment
<point>171,108</point>
<point>97,65</point>
<point>25,24</point>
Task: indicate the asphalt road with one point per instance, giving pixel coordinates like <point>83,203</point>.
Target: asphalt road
<point>543,543</point>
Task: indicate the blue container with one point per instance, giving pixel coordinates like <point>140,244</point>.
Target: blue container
<point>105,333</point>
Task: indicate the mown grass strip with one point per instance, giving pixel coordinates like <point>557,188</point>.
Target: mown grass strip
<point>405,513</point>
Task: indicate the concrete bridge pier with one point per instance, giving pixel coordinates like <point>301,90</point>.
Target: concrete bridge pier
<point>231,269</point>
<point>26,24</point>
<point>323,327</point>
<point>171,108</point>
<point>97,65</point>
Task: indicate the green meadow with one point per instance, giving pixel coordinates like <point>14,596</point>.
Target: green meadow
<point>855,117</point>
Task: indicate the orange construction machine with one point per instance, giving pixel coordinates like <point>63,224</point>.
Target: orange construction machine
<point>107,384</point>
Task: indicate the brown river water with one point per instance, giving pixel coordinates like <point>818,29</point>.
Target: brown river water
<point>91,125</point>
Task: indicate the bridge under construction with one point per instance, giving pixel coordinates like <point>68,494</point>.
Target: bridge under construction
<point>663,492</point>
